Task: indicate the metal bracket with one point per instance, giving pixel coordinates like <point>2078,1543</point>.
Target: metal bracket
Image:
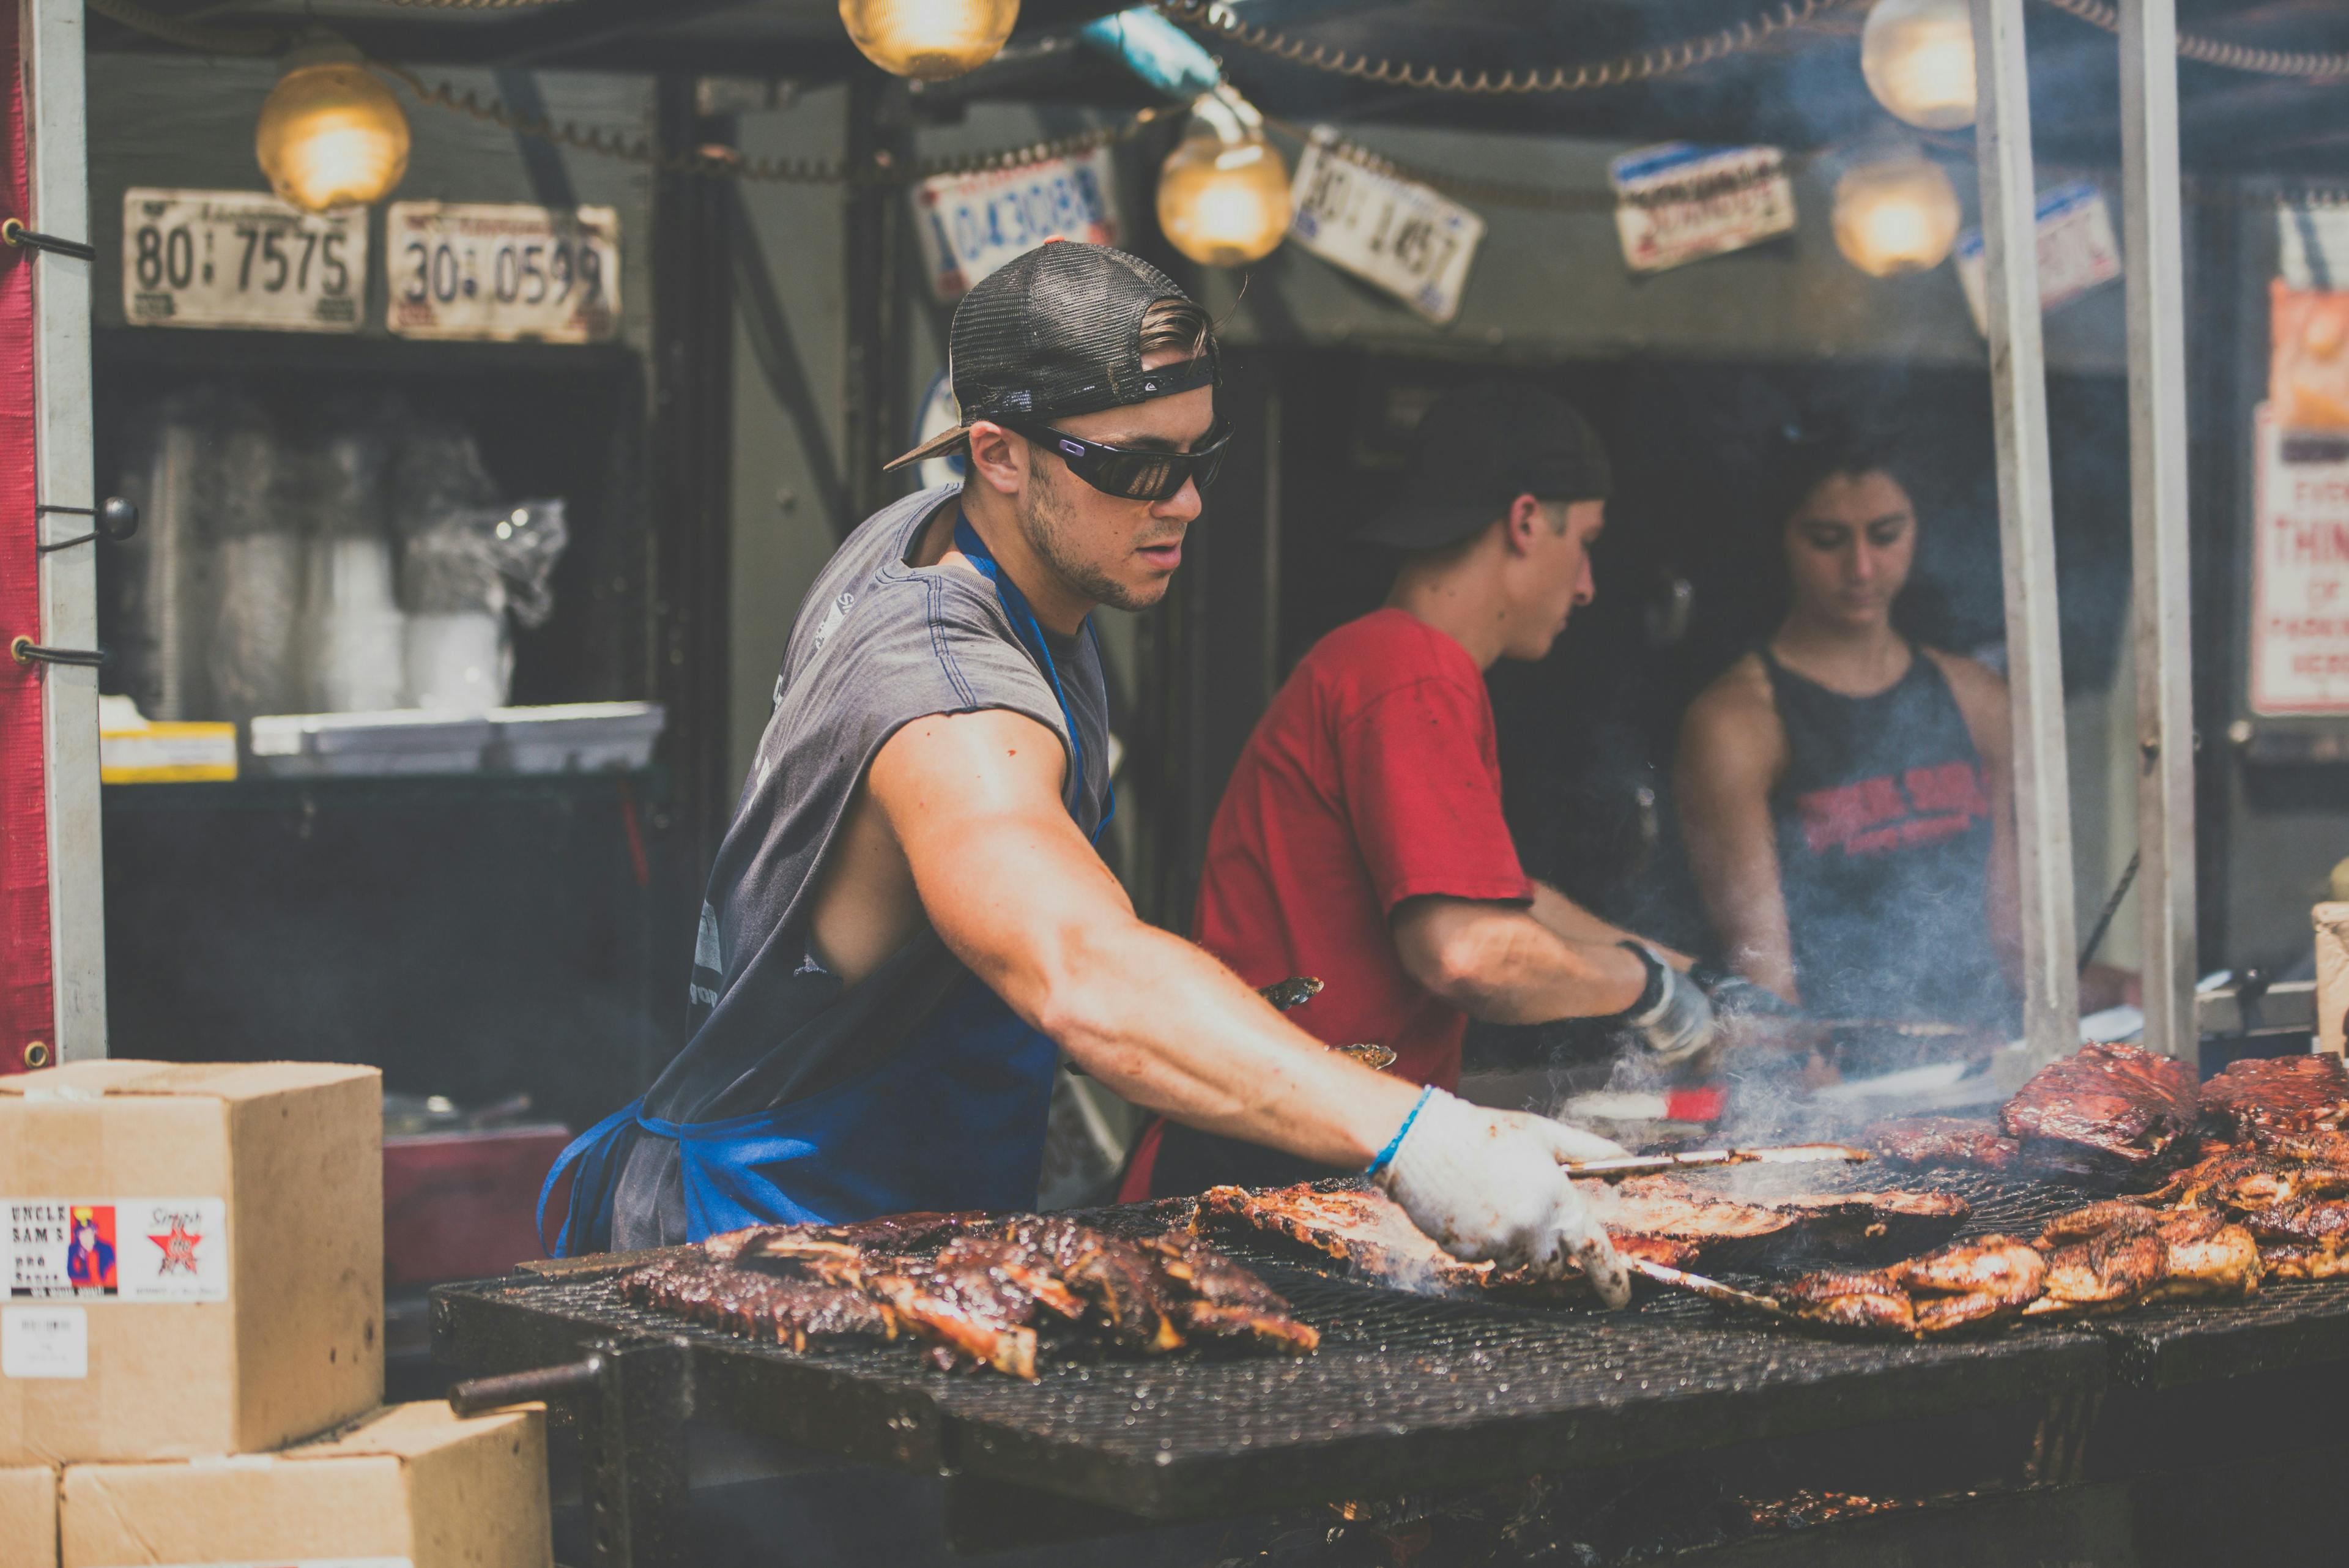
<point>24,650</point>
<point>631,1398</point>
<point>17,234</point>
<point>115,518</point>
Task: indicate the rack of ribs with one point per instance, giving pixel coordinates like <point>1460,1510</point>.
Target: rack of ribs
<point>2101,1110</point>
<point>2283,1096</point>
<point>979,1289</point>
<point>757,1303</point>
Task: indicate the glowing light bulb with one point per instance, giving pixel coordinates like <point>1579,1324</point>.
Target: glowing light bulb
<point>330,133</point>
<point>1919,58</point>
<point>1896,215</point>
<point>931,39</point>
<point>1223,193</point>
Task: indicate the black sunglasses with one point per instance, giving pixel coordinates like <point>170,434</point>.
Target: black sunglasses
<point>1128,474</point>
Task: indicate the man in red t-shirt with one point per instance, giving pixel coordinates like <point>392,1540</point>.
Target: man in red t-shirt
<point>1361,838</point>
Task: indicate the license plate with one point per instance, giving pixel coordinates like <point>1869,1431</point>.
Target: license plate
<point>1396,234</point>
<point>503,272</point>
<point>2076,251</point>
<point>970,224</point>
<point>239,258</point>
<point>1680,203</point>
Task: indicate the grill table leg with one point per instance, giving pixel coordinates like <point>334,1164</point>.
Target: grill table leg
<point>632,1455</point>
<point>2059,1448</point>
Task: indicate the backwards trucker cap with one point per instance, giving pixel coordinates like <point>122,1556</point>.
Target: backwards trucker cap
<point>1478,449</point>
<point>1057,333</point>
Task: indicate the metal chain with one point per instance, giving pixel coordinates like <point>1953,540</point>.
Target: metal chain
<point>1665,59</point>
<point>2215,52</point>
<point>203,40</point>
<point>725,164</point>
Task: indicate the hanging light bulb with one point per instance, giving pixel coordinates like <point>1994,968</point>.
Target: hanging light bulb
<point>931,39</point>
<point>1223,193</point>
<point>1919,58</point>
<point>331,134</point>
<point>1894,214</point>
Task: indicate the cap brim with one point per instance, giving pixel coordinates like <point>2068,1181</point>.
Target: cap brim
<point>937,446</point>
<point>1420,524</point>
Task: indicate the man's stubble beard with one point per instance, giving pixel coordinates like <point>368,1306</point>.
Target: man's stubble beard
<point>1050,521</point>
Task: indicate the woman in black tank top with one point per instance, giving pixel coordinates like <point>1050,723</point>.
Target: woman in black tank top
<point>1844,793</point>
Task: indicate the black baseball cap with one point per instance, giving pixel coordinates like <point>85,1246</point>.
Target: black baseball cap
<point>1055,333</point>
<point>1481,447</point>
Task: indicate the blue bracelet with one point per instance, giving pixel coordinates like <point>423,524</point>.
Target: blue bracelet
<point>1386,1155</point>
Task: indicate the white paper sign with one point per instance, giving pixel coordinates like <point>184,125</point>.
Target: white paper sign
<point>125,1248</point>
<point>1680,203</point>
<point>44,1342</point>
<point>970,224</point>
<point>240,258</point>
<point>2299,570</point>
<point>2076,251</point>
<point>502,273</point>
<point>1393,233</point>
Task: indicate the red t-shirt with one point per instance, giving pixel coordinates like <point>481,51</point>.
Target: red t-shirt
<point>1373,777</point>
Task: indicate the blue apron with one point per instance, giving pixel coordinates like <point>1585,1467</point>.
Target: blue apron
<point>959,1108</point>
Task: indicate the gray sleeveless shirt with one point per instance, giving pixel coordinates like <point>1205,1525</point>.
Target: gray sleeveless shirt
<point>876,645</point>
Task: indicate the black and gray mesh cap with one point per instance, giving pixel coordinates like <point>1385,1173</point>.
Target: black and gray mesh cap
<point>1059,333</point>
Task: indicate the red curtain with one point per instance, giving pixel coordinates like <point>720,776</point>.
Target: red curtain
<point>27,1003</point>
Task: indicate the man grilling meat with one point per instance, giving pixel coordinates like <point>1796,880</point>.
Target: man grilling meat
<point>907,922</point>
<point>1360,839</point>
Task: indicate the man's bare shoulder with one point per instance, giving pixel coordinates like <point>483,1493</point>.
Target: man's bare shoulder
<point>984,761</point>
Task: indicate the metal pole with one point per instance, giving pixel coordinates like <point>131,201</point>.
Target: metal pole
<point>58,177</point>
<point>2155,278</point>
<point>2018,379</point>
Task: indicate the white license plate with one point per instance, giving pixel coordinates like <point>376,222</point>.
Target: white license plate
<point>503,272</point>
<point>240,258</point>
<point>970,224</point>
<point>1680,203</point>
<point>1396,234</point>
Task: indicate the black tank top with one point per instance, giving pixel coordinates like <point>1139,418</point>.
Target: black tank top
<point>1884,843</point>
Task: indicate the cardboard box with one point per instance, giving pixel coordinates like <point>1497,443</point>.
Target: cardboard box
<point>2331,922</point>
<point>29,1518</point>
<point>411,1485</point>
<point>191,1257</point>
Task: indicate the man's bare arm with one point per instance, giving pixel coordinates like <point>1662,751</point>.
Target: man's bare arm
<point>1013,889</point>
<point>1497,962</point>
<point>1576,924</point>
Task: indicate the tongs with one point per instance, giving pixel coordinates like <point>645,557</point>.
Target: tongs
<point>1616,1169</point>
<point>1711,1290</point>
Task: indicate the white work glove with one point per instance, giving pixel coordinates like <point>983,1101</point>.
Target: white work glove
<point>1487,1184</point>
<point>1674,1019</point>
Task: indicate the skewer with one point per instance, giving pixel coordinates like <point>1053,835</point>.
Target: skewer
<point>1655,1164</point>
<point>1711,1290</point>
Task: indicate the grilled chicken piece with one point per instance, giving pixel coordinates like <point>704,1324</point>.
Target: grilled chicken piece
<point>1837,1222</point>
<point>2209,1255</point>
<point>2295,1260</point>
<point>758,1304</point>
<point>2111,1271</point>
<point>2320,1146</point>
<point>2307,1221</point>
<point>2114,1215</point>
<point>1945,1140</point>
<point>1972,1282</point>
<point>2104,1108</point>
<point>1825,1223</point>
<point>1990,1266</point>
<point>2245,1181</point>
<point>1226,1300</point>
<point>2279,1094</point>
<point>1865,1301</point>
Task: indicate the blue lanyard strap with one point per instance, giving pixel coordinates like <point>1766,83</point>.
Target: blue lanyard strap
<point>1024,627</point>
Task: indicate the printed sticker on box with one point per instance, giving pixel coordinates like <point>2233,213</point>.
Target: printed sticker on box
<point>44,1342</point>
<point>122,1249</point>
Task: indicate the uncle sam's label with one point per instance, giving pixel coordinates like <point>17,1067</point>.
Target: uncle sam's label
<point>122,1249</point>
